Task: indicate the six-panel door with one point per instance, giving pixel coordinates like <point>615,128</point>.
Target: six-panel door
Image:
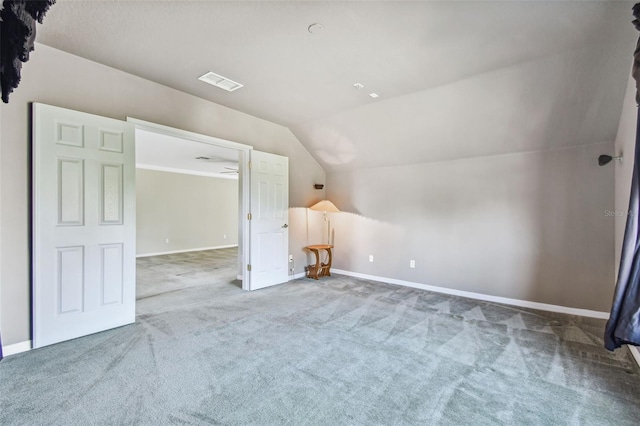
<point>83,224</point>
<point>269,222</point>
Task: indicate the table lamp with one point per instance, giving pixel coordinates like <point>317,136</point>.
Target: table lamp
<point>325,206</point>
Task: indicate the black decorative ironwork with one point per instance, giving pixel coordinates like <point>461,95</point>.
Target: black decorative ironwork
<point>17,35</point>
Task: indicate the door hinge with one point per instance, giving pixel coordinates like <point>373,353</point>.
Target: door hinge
<point>248,267</point>
<point>249,217</point>
<point>250,164</point>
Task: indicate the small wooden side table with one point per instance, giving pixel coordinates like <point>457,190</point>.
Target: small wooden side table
<point>320,269</point>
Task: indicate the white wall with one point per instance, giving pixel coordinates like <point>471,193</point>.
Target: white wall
<point>528,226</point>
<point>625,145</point>
<point>192,212</point>
<point>58,78</point>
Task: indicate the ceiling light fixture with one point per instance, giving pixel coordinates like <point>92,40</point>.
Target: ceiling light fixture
<point>358,85</point>
<point>373,95</point>
<point>215,159</point>
<point>220,81</point>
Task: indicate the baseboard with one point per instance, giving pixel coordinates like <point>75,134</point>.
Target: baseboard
<point>185,251</point>
<point>480,296</point>
<point>16,348</point>
<point>635,352</point>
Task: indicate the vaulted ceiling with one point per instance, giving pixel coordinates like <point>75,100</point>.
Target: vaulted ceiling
<point>455,79</point>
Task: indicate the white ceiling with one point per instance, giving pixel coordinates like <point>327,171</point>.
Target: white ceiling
<point>162,152</point>
<point>455,79</point>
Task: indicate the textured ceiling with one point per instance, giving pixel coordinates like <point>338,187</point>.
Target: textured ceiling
<point>455,79</point>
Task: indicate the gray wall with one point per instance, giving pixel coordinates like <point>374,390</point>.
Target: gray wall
<point>527,226</point>
<point>625,145</point>
<point>58,78</point>
<point>190,211</point>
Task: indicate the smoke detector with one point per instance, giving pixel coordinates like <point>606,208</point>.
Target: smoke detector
<point>220,81</point>
<point>315,28</point>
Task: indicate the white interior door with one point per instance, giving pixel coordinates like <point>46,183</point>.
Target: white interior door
<point>269,224</point>
<point>83,224</point>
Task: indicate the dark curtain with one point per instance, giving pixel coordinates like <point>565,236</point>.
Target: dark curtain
<point>623,326</point>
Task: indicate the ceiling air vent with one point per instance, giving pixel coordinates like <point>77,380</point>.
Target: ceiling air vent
<point>220,81</point>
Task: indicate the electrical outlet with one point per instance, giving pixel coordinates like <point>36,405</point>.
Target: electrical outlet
<point>290,258</point>
<point>412,264</point>
<point>166,240</point>
<point>224,237</point>
<point>370,258</point>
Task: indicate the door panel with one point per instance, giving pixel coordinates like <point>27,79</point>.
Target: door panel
<point>269,245</point>
<point>111,194</point>
<point>70,190</point>
<point>70,283</point>
<point>111,273</point>
<point>83,224</point>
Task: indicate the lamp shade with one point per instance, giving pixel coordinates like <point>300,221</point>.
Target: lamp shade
<point>325,206</point>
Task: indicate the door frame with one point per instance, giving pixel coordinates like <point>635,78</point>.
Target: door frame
<point>244,153</point>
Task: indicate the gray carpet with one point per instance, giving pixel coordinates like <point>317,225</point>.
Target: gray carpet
<point>339,351</point>
<point>178,280</point>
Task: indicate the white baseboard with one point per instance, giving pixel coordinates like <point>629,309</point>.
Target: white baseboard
<point>239,277</point>
<point>160,253</point>
<point>480,296</point>
<point>635,352</point>
<point>16,348</point>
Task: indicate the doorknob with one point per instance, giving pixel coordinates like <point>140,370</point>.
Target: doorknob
<point>285,226</point>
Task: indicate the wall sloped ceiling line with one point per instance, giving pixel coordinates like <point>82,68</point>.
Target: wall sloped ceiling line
<point>451,84</point>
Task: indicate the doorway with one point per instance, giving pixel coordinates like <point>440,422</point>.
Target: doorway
<point>187,222</point>
<point>215,152</point>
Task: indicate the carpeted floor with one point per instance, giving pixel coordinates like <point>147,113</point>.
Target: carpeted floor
<point>339,351</point>
<point>178,280</point>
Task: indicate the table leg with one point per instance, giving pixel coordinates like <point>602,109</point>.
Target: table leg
<point>326,267</point>
<point>314,270</point>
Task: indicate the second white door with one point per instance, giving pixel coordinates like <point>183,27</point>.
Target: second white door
<point>269,223</point>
